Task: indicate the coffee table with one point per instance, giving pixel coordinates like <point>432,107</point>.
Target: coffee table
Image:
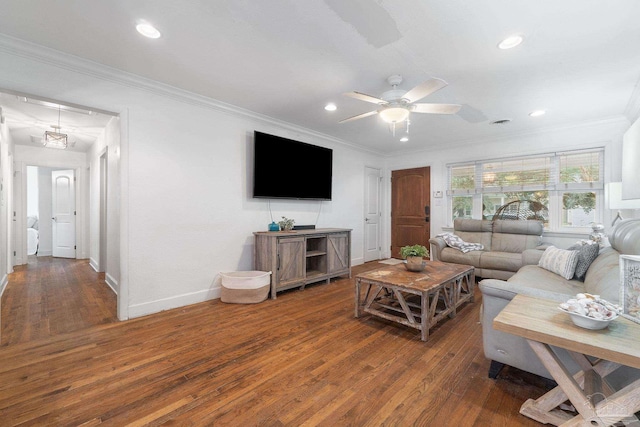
<point>418,300</point>
<point>597,403</point>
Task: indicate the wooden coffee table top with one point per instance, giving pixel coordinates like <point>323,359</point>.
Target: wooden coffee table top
<point>434,274</point>
<point>540,320</point>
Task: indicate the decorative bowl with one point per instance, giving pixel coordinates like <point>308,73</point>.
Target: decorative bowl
<point>589,322</point>
<point>415,267</point>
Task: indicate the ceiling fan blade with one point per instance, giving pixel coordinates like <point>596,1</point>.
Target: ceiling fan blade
<point>436,108</point>
<point>364,97</point>
<point>359,116</point>
<point>424,89</point>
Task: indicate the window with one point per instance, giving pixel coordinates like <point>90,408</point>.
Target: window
<point>568,184</point>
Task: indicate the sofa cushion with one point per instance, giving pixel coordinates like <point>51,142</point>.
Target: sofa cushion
<point>559,261</point>
<point>474,231</point>
<point>533,278</point>
<point>457,257</point>
<point>515,236</point>
<point>529,227</point>
<point>501,261</point>
<point>587,253</point>
<point>603,276</point>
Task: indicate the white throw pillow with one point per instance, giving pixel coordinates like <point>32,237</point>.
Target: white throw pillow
<point>559,261</point>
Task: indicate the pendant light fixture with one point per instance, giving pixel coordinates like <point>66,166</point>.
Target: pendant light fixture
<point>55,139</point>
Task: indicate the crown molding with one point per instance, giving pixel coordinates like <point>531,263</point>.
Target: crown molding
<point>620,122</point>
<point>59,59</point>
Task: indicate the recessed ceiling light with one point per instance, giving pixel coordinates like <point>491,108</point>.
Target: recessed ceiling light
<point>537,113</point>
<point>404,139</point>
<point>330,107</point>
<point>148,30</point>
<point>510,42</point>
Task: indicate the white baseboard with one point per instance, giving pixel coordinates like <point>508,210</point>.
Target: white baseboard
<point>357,261</point>
<point>157,306</point>
<point>112,283</point>
<point>3,284</point>
<point>94,264</point>
<point>45,253</point>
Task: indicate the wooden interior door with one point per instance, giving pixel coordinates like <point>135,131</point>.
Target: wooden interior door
<point>410,208</point>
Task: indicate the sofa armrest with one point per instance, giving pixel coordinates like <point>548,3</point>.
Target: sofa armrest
<point>437,244</point>
<point>507,290</point>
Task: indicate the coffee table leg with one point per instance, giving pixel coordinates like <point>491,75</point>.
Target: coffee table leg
<point>357,298</point>
<point>424,316</point>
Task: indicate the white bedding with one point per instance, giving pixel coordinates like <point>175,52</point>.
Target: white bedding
<point>32,241</point>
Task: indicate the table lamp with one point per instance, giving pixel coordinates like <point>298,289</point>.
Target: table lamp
<point>613,192</point>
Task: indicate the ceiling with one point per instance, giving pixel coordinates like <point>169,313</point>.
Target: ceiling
<point>580,60</point>
<point>28,119</point>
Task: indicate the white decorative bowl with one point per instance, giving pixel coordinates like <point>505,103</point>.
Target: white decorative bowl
<point>589,322</point>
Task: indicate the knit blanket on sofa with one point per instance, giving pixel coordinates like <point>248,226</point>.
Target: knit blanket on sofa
<point>456,242</point>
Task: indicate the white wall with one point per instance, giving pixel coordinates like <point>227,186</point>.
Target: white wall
<point>606,133</point>
<point>6,183</point>
<point>32,191</point>
<point>186,212</point>
<point>109,143</point>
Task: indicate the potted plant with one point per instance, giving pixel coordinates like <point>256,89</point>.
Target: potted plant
<point>286,224</point>
<point>415,257</point>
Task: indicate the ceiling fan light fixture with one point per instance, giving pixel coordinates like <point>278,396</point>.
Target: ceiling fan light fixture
<point>394,114</point>
<point>511,42</point>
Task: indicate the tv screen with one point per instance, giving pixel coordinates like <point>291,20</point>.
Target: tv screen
<point>288,169</point>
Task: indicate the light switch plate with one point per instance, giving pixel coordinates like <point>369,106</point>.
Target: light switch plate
<point>437,194</point>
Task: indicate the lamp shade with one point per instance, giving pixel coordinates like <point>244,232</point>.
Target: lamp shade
<point>394,114</point>
<point>613,192</point>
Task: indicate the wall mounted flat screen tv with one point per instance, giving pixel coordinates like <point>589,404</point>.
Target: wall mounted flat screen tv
<point>288,169</point>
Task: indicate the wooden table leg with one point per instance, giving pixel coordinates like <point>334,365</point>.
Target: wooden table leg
<point>424,316</point>
<point>357,298</point>
<point>579,389</point>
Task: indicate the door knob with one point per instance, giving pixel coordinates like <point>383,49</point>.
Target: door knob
<point>54,218</point>
<point>366,219</point>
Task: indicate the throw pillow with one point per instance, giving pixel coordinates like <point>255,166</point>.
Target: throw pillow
<point>587,253</point>
<point>560,261</point>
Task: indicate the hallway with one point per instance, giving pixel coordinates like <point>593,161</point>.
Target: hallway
<point>51,296</point>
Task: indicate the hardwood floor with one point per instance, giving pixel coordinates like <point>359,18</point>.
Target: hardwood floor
<point>50,296</point>
<point>302,359</point>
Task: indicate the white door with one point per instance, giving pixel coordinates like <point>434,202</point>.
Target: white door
<point>372,214</point>
<point>63,214</point>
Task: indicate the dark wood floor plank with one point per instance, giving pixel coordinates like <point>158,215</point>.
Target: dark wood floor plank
<point>51,296</point>
<point>302,359</point>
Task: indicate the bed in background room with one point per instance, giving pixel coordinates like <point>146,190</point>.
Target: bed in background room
<point>32,235</point>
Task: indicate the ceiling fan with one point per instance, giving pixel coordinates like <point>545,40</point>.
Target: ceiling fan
<point>395,105</point>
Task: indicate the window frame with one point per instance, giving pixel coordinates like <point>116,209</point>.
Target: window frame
<point>557,164</point>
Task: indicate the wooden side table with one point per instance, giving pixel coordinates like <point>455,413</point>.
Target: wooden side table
<point>598,404</point>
